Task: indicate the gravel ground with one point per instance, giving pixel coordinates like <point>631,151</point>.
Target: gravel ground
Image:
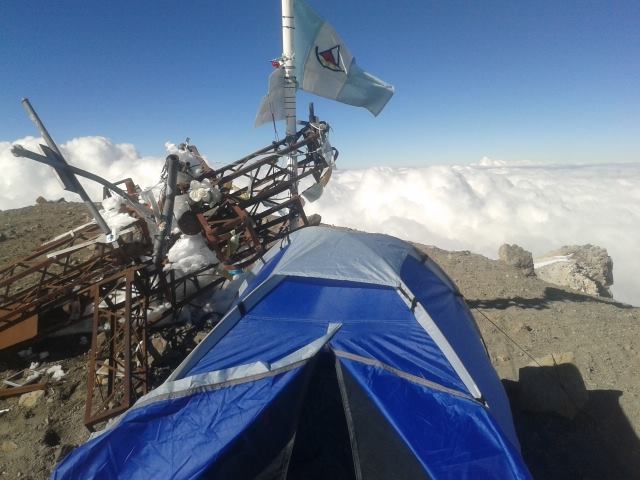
<point>514,312</point>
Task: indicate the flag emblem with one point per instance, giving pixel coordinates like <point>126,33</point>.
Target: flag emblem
<point>327,72</point>
<point>330,58</point>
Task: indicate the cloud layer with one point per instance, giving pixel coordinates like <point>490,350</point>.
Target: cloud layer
<point>475,207</point>
<point>479,207</point>
<point>23,180</point>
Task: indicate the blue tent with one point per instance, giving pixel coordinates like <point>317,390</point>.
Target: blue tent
<point>346,356</point>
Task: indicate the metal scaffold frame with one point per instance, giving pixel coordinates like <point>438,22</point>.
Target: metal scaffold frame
<point>118,368</point>
<point>56,274</point>
<point>259,207</point>
<point>119,277</point>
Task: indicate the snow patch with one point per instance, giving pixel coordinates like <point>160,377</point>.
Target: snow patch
<point>543,262</point>
<point>111,213</point>
<point>190,253</point>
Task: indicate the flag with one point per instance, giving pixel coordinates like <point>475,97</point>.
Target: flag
<point>272,105</point>
<point>325,66</point>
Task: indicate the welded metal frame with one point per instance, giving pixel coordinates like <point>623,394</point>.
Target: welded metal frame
<point>53,275</point>
<point>261,210</point>
<point>120,305</point>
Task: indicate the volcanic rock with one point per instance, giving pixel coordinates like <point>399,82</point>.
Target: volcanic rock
<point>518,257</point>
<point>585,268</point>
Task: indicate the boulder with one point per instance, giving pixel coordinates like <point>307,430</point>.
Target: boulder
<point>314,219</point>
<point>518,257</point>
<point>553,384</point>
<point>584,268</point>
<point>31,399</point>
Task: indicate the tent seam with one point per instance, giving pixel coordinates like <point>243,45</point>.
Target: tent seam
<point>404,375</point>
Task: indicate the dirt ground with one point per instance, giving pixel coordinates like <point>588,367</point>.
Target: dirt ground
<point>514,313</point>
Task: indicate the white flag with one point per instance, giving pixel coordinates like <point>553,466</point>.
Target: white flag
<point>324,66</point>
<point>272,106</point>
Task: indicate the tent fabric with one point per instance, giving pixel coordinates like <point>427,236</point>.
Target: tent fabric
<point>327,253</point>
<point>447,309</point>
<point>172,439</point>
<point>480,452</point>
<point>347,355</point>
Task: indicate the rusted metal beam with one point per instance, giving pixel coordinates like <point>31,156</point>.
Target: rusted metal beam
<point>13,391</point>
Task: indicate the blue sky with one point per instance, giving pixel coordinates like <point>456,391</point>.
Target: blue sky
<point>550,81</point>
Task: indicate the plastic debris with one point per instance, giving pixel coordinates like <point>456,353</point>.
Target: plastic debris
<point>56,372</point>
<point>204,192</point>
<point>32,377</point>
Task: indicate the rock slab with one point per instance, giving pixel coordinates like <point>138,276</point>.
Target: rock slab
<point>31,399</point>
<point>584,268</point>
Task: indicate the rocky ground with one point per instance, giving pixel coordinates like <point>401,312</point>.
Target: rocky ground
<point>594,435</point>
<point>24,229</point>
<point>516,312</point>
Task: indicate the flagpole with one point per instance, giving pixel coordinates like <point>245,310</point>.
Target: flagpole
<point>290,86</point>
<point>288,27</point>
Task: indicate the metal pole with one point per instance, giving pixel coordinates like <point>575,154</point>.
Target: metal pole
<point>288,28</point>
<point>290,84</point>
<point>70,182</point>
<point>49,159</point>
<point>167,213</point>
<point>40,126</point>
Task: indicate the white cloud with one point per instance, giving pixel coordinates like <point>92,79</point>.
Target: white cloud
<point>475,207</point>
<point>23,180</point>
<point>479,207</point>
